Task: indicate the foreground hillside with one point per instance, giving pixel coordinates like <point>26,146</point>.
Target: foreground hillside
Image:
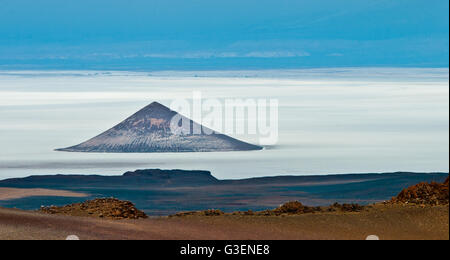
<point>417,212</point>
<point>385,221</point>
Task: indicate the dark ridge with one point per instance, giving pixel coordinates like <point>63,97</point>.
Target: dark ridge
<point>139,177</point>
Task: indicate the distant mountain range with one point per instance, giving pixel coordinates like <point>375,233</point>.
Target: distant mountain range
<point>149,131</point>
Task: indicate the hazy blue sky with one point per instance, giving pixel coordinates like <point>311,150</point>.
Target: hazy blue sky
<point>232,34</point>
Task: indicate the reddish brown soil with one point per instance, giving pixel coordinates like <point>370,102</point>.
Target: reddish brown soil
<point>425,194</point>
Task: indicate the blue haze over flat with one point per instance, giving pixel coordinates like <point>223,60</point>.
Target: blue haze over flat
<point>206,35</point>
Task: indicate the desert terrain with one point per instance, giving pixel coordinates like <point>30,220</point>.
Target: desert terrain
<point>418,212</point>
<point>389,222</point>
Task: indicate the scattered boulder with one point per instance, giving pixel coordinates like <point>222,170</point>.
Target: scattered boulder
<point>346,207</point>
<point>249,213</point>
<point>296,208</point>
<point>289,208</point>
<point>99,208</point>
<point>213,212</point>
<point>424,194</point>
<point>293,207</point>
<point>207,213</point>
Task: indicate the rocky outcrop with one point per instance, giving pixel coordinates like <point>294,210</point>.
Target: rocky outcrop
<point>206,213</point>
<point>98,208</point>
<point>424,194</point>
<point>295,208</point>
<point>289,208</point>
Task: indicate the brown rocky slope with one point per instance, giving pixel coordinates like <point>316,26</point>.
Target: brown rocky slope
<point>100,208</point>
<point>424,194</point>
